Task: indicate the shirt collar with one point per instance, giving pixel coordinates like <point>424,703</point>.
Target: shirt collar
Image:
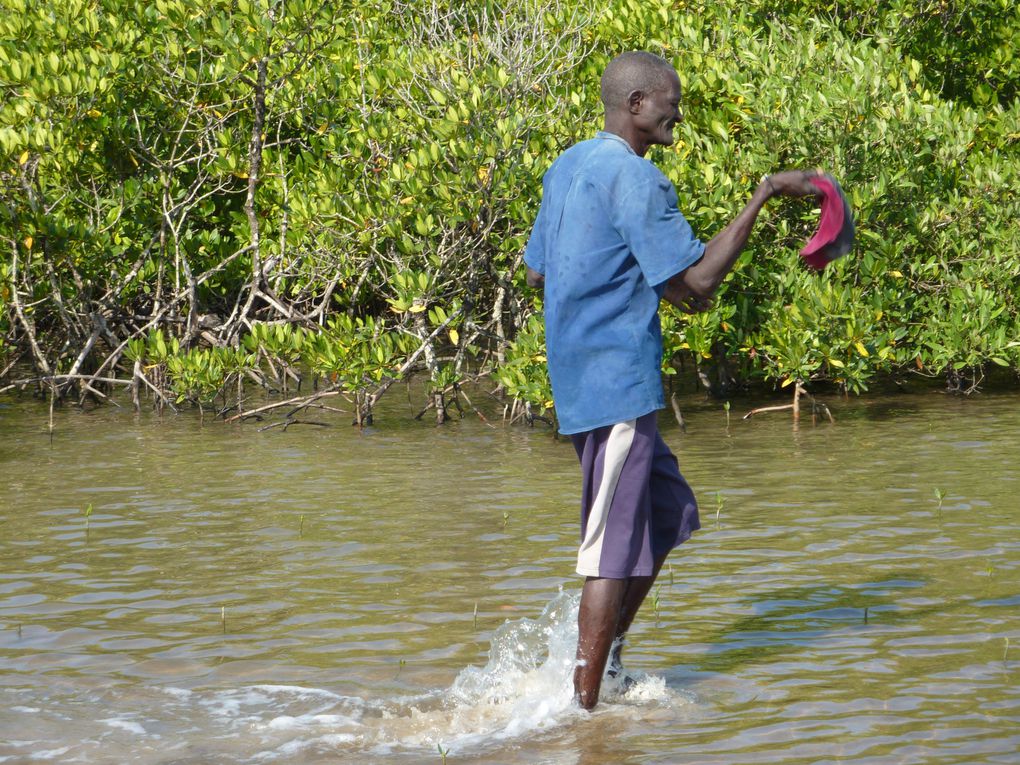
<point>614,137</point>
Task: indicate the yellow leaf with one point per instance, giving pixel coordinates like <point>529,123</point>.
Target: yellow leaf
<point>417,308</point>
<point>406,200</point>
<point>861,349</point>
<point>483,174</point>
<point>23,159</point>
<point>454,336</point>
<point>28,242</point>
<point>897,274</point>
<point>94,113</point>
<point>836,363</point>
<point>787,381</point>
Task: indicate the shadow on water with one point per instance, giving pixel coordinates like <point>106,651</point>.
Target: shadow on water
<point>791,618</point>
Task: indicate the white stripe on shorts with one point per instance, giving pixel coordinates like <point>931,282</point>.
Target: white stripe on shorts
<point>617,448</point>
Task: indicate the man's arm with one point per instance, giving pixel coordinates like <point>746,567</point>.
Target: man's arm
<point>691,290</point>
<point>534,278</point>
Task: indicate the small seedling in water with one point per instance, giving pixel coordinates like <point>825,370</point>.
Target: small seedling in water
<point>655,603</point>
<point>670,575</point>
<point>939,495</point>
<point>726,407</point>
<point>442,752</point>
<point>506,518</point>
<point>301,526</point>
<point>865,614</point>
<point>476,616</point>
<point>88,512</point>
<point>1005,648</point>
<point>223,618</point>
<point>400,667</point>
<point>719,502</point>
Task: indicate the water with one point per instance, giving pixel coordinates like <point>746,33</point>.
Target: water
<point>325,595</point>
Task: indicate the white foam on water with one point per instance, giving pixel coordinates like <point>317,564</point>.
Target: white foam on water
<point>287,722</point>
<point>301,692</point>
<point>329,741</point>
<point>49,754</point>
<point>128,725</point>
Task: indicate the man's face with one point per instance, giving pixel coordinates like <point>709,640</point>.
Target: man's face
<point>661,112</point>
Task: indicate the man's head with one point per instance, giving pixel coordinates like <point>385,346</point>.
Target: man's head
<point>641,94</point>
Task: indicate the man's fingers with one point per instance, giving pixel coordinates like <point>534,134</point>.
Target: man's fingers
<point>696,305</point>
<point>796,183</point>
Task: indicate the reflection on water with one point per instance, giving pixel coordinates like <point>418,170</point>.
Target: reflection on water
<point>381,597</point>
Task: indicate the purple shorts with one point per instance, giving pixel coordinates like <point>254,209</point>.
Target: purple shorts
<point>635,505</point>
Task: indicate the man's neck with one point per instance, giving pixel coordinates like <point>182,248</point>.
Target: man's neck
<point>627,133</point>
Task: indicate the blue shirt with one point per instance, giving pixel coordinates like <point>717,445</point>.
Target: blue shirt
<point>607,237</point>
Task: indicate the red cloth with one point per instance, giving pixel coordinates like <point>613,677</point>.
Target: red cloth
<point>835,233</point>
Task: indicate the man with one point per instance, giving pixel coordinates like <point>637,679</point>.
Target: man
<point>608,244</point>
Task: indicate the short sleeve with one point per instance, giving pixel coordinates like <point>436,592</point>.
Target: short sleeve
<point>651,224</point>
<point>534,253</point>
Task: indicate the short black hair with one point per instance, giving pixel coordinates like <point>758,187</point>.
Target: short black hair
<point>634,70</point>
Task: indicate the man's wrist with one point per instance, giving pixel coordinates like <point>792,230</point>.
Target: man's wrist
<point>766,184</point>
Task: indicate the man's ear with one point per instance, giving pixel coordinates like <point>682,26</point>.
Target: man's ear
<point>634,101</point>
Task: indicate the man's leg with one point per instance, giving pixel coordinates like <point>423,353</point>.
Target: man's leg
<point>597,619</point>
<point>674,517</point>
<point>618,503</point>
<point>634,595</point>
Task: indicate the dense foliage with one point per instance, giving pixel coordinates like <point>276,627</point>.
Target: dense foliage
<point>197,193</point>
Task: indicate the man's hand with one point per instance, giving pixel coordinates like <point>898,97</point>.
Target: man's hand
<point>534,278</point>
<point>791,183</point>
<point>678,294</point>
<point>691,290</point>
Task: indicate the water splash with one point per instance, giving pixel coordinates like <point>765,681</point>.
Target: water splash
<point>527,684</point>
<point>526,687</point>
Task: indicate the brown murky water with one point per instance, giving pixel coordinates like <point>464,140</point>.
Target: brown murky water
<point>393,595</point>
